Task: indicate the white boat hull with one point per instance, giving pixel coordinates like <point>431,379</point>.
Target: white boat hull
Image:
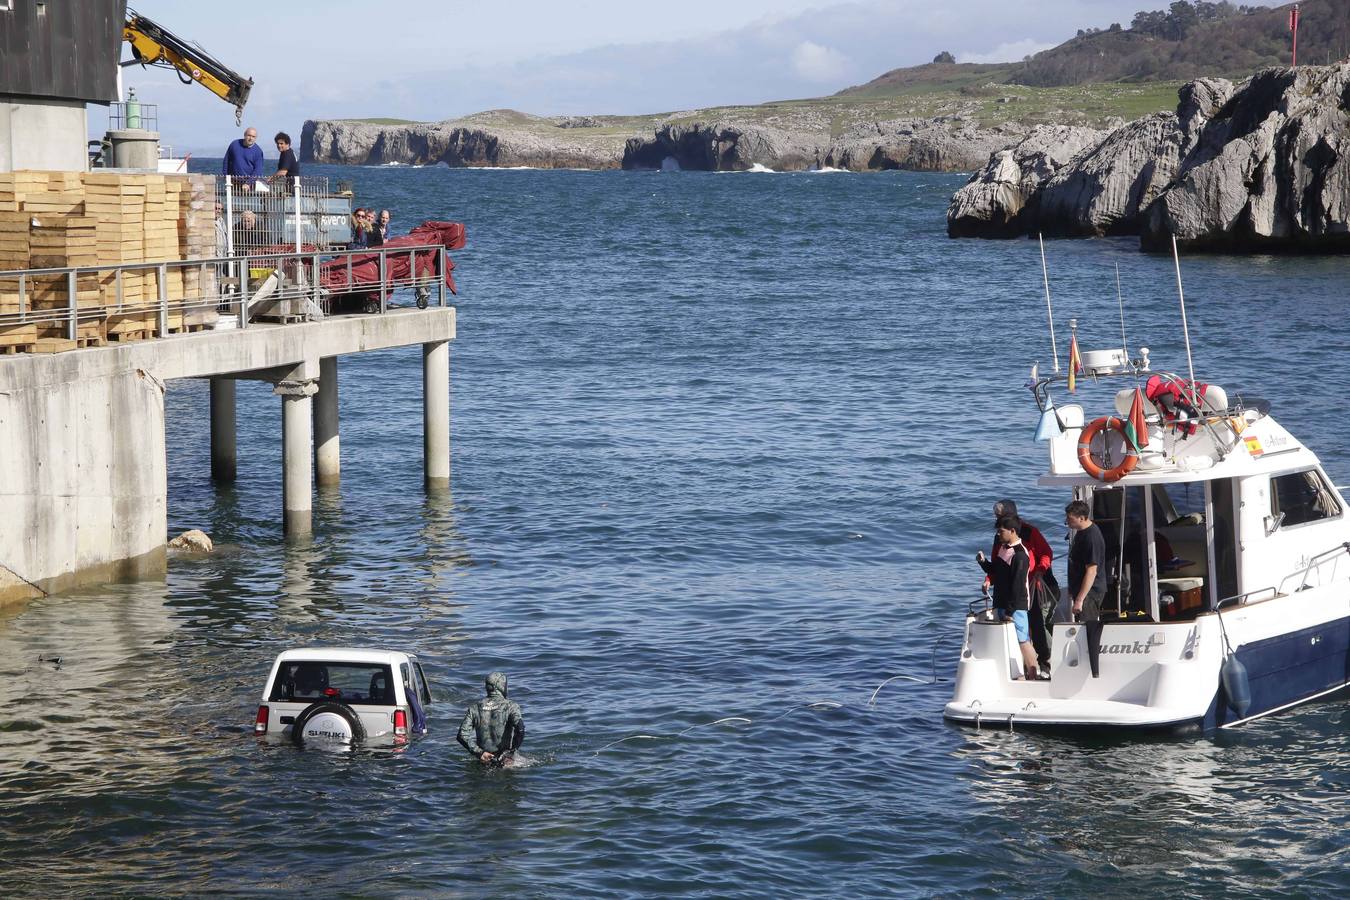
<point>1295,648</point>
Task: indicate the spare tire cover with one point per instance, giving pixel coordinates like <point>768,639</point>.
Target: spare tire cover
<point>327,722</point>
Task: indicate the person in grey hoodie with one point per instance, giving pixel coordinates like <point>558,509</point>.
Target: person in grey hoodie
<point>493,728</point>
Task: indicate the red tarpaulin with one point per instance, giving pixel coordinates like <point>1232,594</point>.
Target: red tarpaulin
<point>363,275</point>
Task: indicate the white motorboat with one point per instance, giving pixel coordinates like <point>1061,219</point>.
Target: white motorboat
<point>1228,559</point>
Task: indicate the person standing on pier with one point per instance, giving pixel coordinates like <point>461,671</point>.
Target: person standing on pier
<point>493,728</point>
<point>244,158</point>
<point>374,233</point>
<point>360,232</point>
<point>288,166</point>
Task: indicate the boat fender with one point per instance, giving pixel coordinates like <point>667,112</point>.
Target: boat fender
<point>1236,685</point>
<point>1091,465</point>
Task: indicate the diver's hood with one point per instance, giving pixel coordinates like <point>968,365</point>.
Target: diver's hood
<point>496,684</point>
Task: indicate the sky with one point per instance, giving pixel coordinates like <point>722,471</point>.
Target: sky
<point>439,59</point>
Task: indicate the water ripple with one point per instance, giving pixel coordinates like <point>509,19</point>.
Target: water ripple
<point>724,449</point>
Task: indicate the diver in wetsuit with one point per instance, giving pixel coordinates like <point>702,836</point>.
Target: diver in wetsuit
<point>493,729</point>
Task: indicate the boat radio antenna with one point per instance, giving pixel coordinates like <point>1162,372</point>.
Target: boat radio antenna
<point>1045,275</point>
<point>1185,331</point>
<point>1120,301</point>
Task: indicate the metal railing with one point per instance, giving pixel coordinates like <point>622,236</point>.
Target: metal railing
<point>133,113</point>
<point>1314,564</point>
<point>260,214</point>
<point>241,289</point>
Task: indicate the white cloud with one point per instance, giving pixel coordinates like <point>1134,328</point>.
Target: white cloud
<point>1006,52</point>
<point>816,63</point>
<point>440,73</point>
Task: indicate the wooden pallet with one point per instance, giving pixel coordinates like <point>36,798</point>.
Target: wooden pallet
<point>191,328</point>
<point>17,338</point>
<point>54,345</point>
<point>123,336</point>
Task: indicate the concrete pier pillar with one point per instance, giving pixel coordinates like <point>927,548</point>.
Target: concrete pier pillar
<point>436,414</point>
<point>224,466</point>
<point>297,499</point>
<point>327,458</point>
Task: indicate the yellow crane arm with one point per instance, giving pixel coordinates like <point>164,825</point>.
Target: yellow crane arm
<point>154,45</point>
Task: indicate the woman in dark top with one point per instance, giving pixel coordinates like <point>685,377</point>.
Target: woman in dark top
<point>360,232</point>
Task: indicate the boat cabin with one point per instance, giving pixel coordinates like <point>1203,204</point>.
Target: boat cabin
<point>1221,508</point>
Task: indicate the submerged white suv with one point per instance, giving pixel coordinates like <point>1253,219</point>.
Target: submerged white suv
<point>344,696</point>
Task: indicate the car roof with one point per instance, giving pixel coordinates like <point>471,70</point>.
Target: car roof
<point>345,654</point>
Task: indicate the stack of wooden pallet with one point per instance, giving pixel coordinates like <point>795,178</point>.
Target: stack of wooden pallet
<point>118,202</point>
<point>14,254</point>
<point>68,219</point>
<point>58,242</point>
<point>197,240</point>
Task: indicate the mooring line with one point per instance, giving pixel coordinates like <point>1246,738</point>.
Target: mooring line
<point>742,720</point>
<point>24,580</point>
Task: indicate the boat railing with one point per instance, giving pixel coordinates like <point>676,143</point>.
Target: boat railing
<point>1241,599</point>
<point>1313,564</point>
<point>1281,590</point>
<point>1138,368</point>
<point>981,607</point>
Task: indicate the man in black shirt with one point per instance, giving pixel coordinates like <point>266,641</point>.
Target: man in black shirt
<point>287,165</point>
<point>1087,574</point>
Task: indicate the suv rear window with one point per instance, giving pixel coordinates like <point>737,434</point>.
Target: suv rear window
<point>358,683</point>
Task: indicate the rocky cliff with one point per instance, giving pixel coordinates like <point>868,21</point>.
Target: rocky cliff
<point>924,145</point>
<point>1261,166</point>
<point>505,138</point>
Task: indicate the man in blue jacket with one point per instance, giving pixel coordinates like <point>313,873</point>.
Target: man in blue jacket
<point>244,158</point>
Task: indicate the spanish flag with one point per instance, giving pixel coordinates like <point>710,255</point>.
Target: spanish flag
<point>1136,427</point>
<point>1075,363</point>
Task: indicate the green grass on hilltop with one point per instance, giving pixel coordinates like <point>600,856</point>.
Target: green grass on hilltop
<point>975,100</point>
<point>979,102</point>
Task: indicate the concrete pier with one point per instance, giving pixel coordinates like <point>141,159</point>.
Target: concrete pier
<point>436,414</point>
<point>297,494</point>
<point>224,456</point>
<point>84,485</point>
<point>327,456</point>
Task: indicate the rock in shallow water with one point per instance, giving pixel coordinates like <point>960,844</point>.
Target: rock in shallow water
<point>194,541</point>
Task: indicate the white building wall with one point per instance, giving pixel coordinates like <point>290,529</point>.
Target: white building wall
<point>46,134</point>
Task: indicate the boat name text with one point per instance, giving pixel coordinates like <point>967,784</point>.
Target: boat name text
<point>1142,647</point>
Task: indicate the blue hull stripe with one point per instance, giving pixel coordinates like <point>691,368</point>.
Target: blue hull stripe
<point>1289,668</point>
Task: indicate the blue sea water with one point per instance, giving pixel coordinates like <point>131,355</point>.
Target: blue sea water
<point>724,446</point>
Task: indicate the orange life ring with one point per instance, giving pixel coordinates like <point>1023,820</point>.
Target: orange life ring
<point>1094,468</point>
